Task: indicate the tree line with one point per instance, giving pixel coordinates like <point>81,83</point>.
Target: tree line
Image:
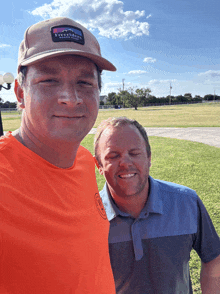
<point>7,104</point>
<point>134,97</point>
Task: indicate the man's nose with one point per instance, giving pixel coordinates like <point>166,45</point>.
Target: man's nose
<point>125,161</point>
<point>69,95</point>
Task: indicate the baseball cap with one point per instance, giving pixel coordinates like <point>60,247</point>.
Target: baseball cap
<point>60,36</point>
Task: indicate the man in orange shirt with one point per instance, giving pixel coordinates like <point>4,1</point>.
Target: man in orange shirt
<point>53,229</point>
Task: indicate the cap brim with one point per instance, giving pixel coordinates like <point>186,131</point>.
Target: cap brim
<point>102,63</point>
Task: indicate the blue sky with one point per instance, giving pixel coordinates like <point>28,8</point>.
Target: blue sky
<point>151,42</point>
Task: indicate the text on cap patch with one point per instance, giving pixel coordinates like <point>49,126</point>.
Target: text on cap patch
<point>66,33</point>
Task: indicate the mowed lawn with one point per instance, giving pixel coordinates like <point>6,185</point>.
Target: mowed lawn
<point>191,115</point>
<point>195,165</point>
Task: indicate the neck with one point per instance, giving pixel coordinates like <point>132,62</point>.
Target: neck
<point>132,204</point>
<point>59,153</point>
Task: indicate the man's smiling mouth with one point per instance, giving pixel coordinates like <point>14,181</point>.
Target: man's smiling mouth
<point>127,176</point>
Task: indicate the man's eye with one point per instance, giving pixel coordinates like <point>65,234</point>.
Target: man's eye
<point>49,81</point>
<point>134,154</point>
<point>113,156</point>
<point>84,83</point>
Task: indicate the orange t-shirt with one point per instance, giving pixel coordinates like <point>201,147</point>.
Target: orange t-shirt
<point>53,228</point>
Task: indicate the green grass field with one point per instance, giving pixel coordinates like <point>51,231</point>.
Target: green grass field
<point>195,165</point>
<point>192,115</point>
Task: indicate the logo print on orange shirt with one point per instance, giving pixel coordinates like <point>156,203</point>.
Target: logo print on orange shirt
<point>100,206</point>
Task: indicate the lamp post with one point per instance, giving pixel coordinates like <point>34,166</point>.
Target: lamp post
<point>7,78</point>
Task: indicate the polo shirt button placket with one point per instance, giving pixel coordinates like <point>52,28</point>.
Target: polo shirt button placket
<point>136,238</point>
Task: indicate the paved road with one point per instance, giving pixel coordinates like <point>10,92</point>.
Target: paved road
<point>209,136</point>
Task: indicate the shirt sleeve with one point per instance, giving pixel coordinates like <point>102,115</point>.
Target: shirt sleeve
<point>206,241</point>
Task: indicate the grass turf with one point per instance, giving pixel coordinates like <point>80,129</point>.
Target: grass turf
<point>192,115</point>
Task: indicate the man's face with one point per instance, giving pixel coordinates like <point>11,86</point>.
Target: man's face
<point>61,98</point>
<point>124,161</point>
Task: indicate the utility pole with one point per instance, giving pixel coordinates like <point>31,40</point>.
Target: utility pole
<point>123,87</point>
<point>170,94</point>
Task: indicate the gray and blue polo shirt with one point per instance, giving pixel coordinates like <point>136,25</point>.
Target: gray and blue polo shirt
<point>150,254</point>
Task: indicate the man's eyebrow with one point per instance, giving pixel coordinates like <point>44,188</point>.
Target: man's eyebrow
<point>53,71</point>
<point>110,152</point>
<point>48,70</point>
<point>135,149</point>
<point>87,74</point>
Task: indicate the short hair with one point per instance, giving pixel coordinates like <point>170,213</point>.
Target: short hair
<point>23,73</point>
<point>119,122</point>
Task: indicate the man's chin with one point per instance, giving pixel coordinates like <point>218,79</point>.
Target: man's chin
<point>67,136</point>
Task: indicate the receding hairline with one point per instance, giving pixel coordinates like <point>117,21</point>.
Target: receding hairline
<point>117,123</point>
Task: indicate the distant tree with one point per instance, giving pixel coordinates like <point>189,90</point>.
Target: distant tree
<point>181,98</point>
<point>188,96</point>
<point>144,94</point>
<point>152,99</point>
<point>6,104</point>
<point>111,100</point>
<point>209,97</point>
<point>135,97</point>
<point>167,99</point>
<point>197,98</point>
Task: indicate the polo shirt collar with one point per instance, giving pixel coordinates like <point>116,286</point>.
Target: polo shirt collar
<point>153,205</point>
<point>110,208</point>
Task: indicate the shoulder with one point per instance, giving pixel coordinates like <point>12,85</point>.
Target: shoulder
<point>9,150</point>
<point>176,200</point>
<point>173,189</point>
<point>5,140</point>
<point>84,161</point>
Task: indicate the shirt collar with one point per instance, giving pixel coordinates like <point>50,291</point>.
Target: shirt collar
<point>110,208</point>
<point>153,205</point>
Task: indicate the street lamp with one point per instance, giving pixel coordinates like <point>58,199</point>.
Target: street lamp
<point>7,78</point>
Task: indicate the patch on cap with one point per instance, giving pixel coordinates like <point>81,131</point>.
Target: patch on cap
<point>66,33</point>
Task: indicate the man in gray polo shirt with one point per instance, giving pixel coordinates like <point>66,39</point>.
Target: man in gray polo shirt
<point>153,224</point>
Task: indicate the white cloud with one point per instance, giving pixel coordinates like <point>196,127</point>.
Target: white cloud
<point>137,72</point>
<point>149,16</point>
<point>210,74</point>
<point>4,45</point>
<point>107,16</point>
<point>112,85</point>
<point>161,82</point>
<point>149,60</point>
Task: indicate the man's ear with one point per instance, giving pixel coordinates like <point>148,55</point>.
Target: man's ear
<point>98,166</point>
<point>19,94</point>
